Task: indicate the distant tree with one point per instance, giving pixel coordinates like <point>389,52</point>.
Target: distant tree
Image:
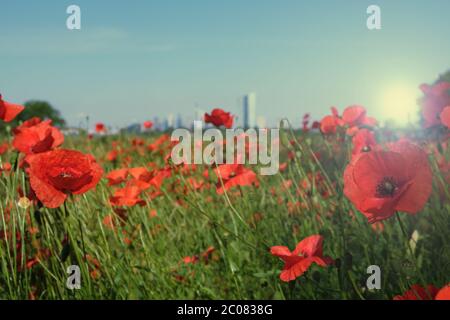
<point>43,110</point>
<point>444,77</point>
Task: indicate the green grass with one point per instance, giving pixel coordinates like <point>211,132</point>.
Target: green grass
<point>241,267</point>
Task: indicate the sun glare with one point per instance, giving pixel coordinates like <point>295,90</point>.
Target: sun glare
<point>399,104</point>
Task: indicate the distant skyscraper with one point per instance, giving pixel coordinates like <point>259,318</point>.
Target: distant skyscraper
<point>170,121</point>
<point>179,123</point>
<point>199,116</point>
<point>250,111</point>
<point>156,123</point>
<point>165,125</point>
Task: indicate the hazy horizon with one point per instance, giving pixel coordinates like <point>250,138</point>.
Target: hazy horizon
<point>133,61</point>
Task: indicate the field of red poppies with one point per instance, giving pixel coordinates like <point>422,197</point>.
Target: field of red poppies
<point>356,211</point>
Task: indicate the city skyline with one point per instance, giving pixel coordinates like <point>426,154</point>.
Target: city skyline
<point>248,118</point>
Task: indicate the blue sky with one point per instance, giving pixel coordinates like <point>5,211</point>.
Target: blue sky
<point>133,60</point>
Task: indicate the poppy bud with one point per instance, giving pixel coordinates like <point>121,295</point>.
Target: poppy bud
<point>24,202</point>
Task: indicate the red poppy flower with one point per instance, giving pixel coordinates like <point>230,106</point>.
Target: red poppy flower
<point>153,213</point>
<point>57,173</point>
<point>37,138</point>
<point>436,98</point>
<point>370,121</point>
<point>305,122</point>
<point>381,182</point>
<point>100,127</point>
<point>117,176</point>
<point>159,143</point>
<point>145,179</point>
<point>444,293</point>
<point>6,166</point>
<point>219,118</point>
<point>418,292</point>
<point>352,131</point>
<point>127,196</point>
<point>112,155</point>
<point>315,125</point>
<point>159,177</point>
<point>94,266</point>
<point>141,173</point>
<point>205,256</point>
<point>4,147</point>
<point>307,252</point>
<point>137,142</point>
<point>194,183</point>
<point>207,253</point>
<point>27,124</point>
<point>354,115</point>
<point>234,175</point>
<point>363,141</point>
<point>108,222</point>
<point>8,111</point>
<point>148,124</point>
<point>335,112</point>
<point>445,117</point>
<point>190,259</point>
<point>329,124</point>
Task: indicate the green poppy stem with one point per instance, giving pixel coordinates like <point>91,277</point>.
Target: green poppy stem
<point>411,252</point>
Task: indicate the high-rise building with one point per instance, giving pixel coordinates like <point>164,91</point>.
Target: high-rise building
<point>179,122</point>
<point>199,114</point>
<point>156,123</point>
<point>249,110</point>
<point>170,121</point>
<point>199,118</point>
<point>165,125</point>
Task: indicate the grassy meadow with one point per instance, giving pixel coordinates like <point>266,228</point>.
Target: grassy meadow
<point>186,241</point>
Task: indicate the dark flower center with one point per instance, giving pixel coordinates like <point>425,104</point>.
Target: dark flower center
<point>386,188</point>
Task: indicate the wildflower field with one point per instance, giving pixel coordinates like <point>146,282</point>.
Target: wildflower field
<point>351,200</point>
